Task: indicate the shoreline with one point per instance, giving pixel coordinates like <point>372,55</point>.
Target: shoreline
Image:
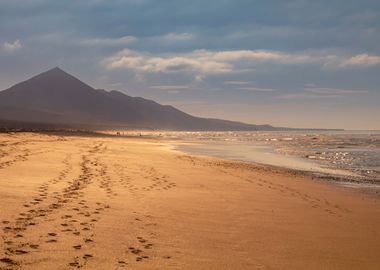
<point>354,184</point>
<point>353,181</point>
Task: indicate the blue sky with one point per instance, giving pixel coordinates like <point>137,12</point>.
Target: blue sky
<point>287,63</point>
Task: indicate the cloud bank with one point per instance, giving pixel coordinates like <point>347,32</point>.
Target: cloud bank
<point>11,46</point>
<point>230,61</point>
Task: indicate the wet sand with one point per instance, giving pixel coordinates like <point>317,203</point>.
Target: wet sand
<point>261,154</point>
<point>116,203</point>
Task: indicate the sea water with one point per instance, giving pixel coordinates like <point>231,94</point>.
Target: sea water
<point>345,153</point>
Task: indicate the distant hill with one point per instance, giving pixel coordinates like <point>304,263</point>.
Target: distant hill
<point>58,98</point>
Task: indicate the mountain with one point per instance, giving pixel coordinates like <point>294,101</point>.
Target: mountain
<point>56,97</point>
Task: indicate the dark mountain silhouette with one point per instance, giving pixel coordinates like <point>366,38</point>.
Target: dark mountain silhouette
<point>58,98</point>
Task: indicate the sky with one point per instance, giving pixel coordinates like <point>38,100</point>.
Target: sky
<point>296,63</point>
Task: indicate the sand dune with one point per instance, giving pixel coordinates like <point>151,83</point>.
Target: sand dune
<point>117,203</point>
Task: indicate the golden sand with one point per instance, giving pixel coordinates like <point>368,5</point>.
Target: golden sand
<point>116,203</point>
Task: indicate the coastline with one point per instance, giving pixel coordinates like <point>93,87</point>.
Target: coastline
<point>151,207</point>
<point>300,166</point>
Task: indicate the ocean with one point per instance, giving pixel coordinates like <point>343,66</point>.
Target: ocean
<point>353,155</point>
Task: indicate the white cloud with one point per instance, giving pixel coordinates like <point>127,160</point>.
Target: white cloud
<point>247,86</point>
<point>169,87</point>
<point>68,38</point>
<point>199,78</point>
<point>107,41</point>
<point>170,39</point>
<point>203,62</point>
<point>361,60</point>
<point>170,64</point>
<point>303,95</point>
<point>237,83</point>
<point>178,37</point>
<point>258,56</point>
<point>257,89</point>
<point>332,91</point>
<point>321,93</point>
<point>11,47</point>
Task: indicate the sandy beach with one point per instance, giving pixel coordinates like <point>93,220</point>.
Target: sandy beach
<point>72,202</point>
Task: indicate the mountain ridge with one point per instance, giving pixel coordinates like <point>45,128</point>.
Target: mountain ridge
<point>58,97</point>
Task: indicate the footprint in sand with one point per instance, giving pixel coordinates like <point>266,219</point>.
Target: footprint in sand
<point>88,240</point>
<point>148,246</point>
<point>7,229</point>
<point>135,250</point>
<point>122,263</point>
<point>51,241</point>
<point>74,264</point>
<point>8,261</point>
<point>34,246</point>
<point>87,256</point>
<point>20,252</point>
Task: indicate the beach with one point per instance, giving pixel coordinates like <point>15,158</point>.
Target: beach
<point>96,202</point>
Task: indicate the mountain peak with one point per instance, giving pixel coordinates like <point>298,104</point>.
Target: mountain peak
<point>56,72</point>
<point>53,84</point>
<point>55,79</point>
<point>55,69</point>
